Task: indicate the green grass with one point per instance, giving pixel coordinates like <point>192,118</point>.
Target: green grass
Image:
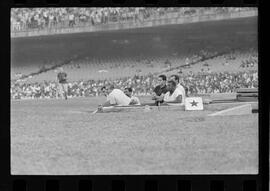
<point>61,137</point>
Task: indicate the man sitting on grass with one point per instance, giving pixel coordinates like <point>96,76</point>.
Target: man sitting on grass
<point>183,89</point>
<point>174,94</point>
<point>160,90</point>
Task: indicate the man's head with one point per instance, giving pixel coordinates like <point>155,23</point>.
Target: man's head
<point>128,91</point>
<point>175,78</point>
<point>171,86</point>
<point>162,80</point>
<point>107,89</point>
<point>103,90</point>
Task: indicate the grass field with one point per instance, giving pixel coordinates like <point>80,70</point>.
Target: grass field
<point>60,137</point>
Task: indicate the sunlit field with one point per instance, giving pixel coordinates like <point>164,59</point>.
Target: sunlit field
<point>62,137</point>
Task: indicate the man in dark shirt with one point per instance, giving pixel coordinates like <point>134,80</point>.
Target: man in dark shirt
<point>62,80</point>
<point>160,90</point>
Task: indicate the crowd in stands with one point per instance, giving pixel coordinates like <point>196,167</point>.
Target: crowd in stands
<point>27,19</point>
<point>220,82</point>
<point>250,62</point>
<point>197,83</point>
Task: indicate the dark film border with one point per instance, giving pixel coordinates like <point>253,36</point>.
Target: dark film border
<point>129,182</point>
<point>132,183</point>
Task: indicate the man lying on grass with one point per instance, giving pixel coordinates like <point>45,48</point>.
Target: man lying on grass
<point>134,100</point>
<point>116,97</point>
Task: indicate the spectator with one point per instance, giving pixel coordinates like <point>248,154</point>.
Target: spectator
<point>71,20</point>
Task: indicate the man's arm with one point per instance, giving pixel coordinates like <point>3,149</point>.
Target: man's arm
<point>177,100</point>
<point>110,102</point>
<point>156,97</point>
<point>107,103</point>
<point>154,94</point>
<point>160,98</point>
<point>135,101</point>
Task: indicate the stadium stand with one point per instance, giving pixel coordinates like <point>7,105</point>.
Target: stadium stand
<point>29,19</point>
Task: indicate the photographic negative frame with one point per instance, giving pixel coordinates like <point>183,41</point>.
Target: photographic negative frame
<point>142,181</point>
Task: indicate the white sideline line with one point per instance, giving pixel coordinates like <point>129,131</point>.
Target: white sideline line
<point>230,109</point>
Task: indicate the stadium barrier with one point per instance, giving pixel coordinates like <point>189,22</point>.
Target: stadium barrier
<point>166,20</point>
<point>247,90</point>
<point>247,94</point>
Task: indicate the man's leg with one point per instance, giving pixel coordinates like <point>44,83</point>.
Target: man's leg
<point>62,92</point>
<point>57,92</point>
<point>65,90</point>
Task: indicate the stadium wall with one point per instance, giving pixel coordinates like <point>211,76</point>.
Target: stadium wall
<point>172,19</point>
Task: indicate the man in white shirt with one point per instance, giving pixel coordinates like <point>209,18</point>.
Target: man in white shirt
<point>175,78</point>
<point>71,20</point>
<point>134,100</point>
<point>115,97</point>
<point>174,94</point>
